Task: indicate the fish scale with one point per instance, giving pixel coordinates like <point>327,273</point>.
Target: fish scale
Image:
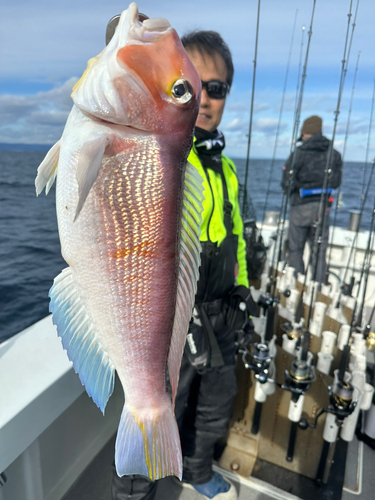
<point>142,223</point>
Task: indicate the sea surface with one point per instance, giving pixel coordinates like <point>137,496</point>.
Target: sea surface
<point>30,256</point>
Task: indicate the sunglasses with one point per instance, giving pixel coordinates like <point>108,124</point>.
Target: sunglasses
<point>216,89</point>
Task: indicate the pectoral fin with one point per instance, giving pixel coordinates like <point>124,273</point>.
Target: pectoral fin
<point>47,170</point>
<point>89,163</point>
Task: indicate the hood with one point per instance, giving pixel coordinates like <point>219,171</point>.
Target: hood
<point>316,142</point>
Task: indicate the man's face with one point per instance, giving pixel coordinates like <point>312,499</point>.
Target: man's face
<point>209,68</point>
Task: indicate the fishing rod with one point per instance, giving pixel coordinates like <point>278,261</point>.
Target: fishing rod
<point>341,405</point>
<point>278,124</point>
<point>343,157</point>
<point>345,68</point>
<point>298,381</point>
<point>365,264</point>
<point>324,196</point>
<point>286,196</point>
<point>291,382</point>
<point>365,271</point>
<point>328,170</point>
<point>346,133</point>
<point>251,111</point>
<point>260,361</point>
<point>302,378</point>
<point>368,139</point>
<point>365,168</point>
<point>298,76</point>
<point>292,142</point>
<point>368,325</point>
<point>363,201</point>
<point>261,357</point>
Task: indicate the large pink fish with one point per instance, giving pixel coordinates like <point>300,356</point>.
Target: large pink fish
<point>128,209</point>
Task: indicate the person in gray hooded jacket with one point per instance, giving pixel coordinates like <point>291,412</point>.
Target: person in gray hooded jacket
<point>306,183</point>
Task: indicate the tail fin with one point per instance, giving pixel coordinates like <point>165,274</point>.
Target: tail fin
<point>148,443</point>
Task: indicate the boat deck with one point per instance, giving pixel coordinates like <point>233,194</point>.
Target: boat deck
<point>95,482</point>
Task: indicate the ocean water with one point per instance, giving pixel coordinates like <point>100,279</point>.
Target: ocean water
<point>30,256</point>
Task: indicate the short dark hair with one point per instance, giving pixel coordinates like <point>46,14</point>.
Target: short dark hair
<point>211,43</point>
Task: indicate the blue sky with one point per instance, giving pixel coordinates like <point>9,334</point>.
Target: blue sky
<point>44,47</point>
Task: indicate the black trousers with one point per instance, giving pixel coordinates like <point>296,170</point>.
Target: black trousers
<point>203,408</point>
<point>302,220</point>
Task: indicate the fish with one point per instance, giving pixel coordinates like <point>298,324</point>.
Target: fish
<point>129,214</point>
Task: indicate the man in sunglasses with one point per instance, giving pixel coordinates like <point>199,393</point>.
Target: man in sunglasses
<point>207,384</point>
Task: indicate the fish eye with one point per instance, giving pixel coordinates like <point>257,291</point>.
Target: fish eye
<point>182,91</point>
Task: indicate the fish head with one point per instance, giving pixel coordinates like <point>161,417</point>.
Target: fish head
<point>143,79</point>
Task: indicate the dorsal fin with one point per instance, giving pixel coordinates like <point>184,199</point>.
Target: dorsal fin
<point>188,269</point>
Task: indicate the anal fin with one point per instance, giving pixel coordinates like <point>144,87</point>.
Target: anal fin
<point>80,339</point>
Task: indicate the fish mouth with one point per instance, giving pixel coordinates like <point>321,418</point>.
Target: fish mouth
<point>139,26</point>
<point>118,126</point>
<point>142,28</point>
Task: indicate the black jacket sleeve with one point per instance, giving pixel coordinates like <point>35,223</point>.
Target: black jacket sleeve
<point>286,170</point>
<point>335,181</point>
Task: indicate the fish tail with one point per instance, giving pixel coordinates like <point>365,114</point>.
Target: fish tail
<point>148,443</point>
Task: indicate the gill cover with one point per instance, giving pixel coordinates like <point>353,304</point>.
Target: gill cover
<point>159,79</point>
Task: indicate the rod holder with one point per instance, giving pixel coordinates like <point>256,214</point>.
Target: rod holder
<point>316,323</point>
<point>324,363</point>
<point>350,422</point>
<point>343,338</point>
<point>354,220</point>
<point>328,342</point>
<point>271,218</point>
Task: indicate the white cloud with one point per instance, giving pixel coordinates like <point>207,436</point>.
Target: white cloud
<point>53,40</point>
<point>244,105</point>
<point>268,125</point>
<point>36,119</point>
<point>236,124</point>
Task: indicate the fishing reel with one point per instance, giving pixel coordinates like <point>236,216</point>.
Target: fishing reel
<point>259,360</point>
<point>370,341</point>
<point>299,378</point>
<point>341,400</point>
<point>298,381</point>
<point>347,288</point>
<point>266,301</point>
<point>293,330</point>
<point>341,396</point>
<point>341,404</point>
<point>301,374</point>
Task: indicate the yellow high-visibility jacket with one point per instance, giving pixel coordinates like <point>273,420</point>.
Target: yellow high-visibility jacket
<point>213,228</point>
